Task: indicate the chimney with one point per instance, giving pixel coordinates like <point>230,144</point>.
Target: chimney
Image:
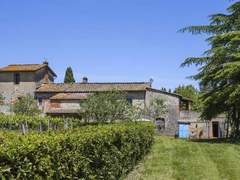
<point>45,61</point>
<point>84,80</point>
<point>151,81</point>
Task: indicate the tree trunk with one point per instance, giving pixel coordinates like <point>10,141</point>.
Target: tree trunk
<point>40,127</point>
<point>23,128</point>
<point>228,121</point>
<point>65,124</point>
<point>234,121</point>
<point>238,122</point>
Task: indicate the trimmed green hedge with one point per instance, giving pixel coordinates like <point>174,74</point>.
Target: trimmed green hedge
<point>91,152</point>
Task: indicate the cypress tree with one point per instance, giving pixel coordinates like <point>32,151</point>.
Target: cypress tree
<point>69,76</point>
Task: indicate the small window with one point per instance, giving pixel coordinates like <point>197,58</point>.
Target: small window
<point>16,78</point>
<point>129,100</point>
<point>160,122</point>
<point>40,101</point>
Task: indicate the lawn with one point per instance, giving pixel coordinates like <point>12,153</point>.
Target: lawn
<point>181,159</point>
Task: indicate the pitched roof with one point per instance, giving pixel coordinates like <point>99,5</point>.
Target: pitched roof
<point>70,96</point>
<point>164,92</point>
<point>76,90</point>
<point>187,99</point>
<point>25,68</point>
<point>93,87</point>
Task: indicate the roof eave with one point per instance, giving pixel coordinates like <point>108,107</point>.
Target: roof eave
<point>164,92</point>
<point>85,91</point>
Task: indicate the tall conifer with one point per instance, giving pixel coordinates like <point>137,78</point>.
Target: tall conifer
<point>69,78</point>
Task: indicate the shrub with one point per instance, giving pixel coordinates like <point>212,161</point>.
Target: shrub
<point>37,123</point>
<point>91,152</point>
<point>26,105</point>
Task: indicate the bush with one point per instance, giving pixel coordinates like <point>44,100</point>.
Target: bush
<point>26,105</point>
<point>106,107</point>
<point>37,123</point>
<point>91,152</point>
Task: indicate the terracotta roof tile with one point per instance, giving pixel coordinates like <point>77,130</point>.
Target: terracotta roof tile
<point>70,96</point>
<point>93,87</point>
<point>24,68</point>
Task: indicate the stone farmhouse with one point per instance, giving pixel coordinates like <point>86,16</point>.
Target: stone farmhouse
<point>59,99</point>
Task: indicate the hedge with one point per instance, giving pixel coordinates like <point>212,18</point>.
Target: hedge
<point>91,152</point>
<point>33,123</point>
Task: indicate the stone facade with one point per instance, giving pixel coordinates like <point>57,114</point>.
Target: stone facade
<point>139,98</point>
<point>203,129</point>
<point>173,109</point>
<point>56,106</point>
<point>29,80</point>
<point>11,91</point>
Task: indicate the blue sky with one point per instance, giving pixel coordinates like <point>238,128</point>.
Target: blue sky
<point>106,40</point>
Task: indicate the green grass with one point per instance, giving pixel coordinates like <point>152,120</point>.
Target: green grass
<point>181,159</point>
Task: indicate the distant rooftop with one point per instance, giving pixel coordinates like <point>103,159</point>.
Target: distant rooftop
<point>76,90</point>
<point>25,68</point>
<point>93,87</point>
<point>70,96</point>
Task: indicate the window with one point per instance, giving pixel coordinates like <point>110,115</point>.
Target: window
<point>40,101</point>
<point>129,100</point>
<point>160,122</point>
<point>16,78</point>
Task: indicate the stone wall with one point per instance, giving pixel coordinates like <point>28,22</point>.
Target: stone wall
<point>11,91</point>
<point>29,81</point>
<point>173,108</point>
<point>189,116</point>
<point>62,104</point>
<point>43,76</point>
<point>200,128</point>
<point>44,101</point>
<point>141,99</point>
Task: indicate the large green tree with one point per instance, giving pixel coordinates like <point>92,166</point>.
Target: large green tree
<point>106,107</point>
<point>69,78</point>
<point>191,92</point>
<point>219,67</point>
